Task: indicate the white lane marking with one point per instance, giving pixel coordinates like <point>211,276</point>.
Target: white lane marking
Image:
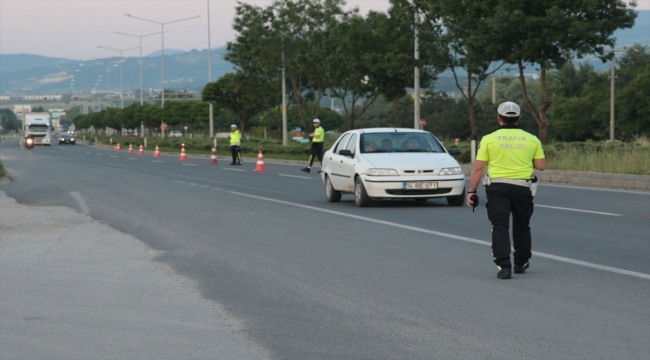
<point>217,189</point>
<point>99,154</point>
<point>81,201</point>
<point>157,161</point>
<point>597,189</point>
<point>87,153</point>
<point>113,156</point>
<point>204,186</point>
<point>295,176</point>
<point>193,184</point>
<point>234,169</point>
<point>189,164</point>
<point>577,210</point>
<point>455,237</point>
<point>132,159</point>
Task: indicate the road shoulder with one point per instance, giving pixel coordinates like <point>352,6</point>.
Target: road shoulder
<point>74,288</point>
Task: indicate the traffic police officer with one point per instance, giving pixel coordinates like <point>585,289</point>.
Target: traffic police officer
<point>235,145</point>
<point>510,154</point>
<point>317,139</point>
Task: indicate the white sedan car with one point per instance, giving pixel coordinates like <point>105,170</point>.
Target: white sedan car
<point>391,163</point>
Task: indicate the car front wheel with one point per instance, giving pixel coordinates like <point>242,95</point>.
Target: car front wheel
<point>457,200</point>
<point>361,198</point>
<point>332,194</point>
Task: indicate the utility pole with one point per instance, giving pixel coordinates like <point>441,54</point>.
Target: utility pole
<point>416,90</point>
<point>285,139</point>
<point>612,77</point>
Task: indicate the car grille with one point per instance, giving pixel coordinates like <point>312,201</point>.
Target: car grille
<point>428,171</point>
<point>418,192</point>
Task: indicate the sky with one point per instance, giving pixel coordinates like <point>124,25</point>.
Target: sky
<point>73,29</point>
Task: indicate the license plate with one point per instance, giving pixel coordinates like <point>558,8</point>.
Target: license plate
<point>420,185</point>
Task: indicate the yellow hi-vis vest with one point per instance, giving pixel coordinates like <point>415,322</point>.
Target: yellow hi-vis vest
<point>235,138</point>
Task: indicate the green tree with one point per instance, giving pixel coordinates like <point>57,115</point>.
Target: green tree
<point>231,92</point>
<point>9,121</point>
<point>392,62</point>
<point>633,106</point>
<point>550,33</point>
<point>284,34</point>
<point>348,64</point>
<point>467,51</point>
<point>586,116</point>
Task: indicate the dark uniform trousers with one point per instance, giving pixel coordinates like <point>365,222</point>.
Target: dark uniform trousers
<point>235,152</point>
<point>316,151</point>
<point>503,200</point>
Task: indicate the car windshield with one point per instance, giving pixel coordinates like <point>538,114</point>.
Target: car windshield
<point>393,142</point>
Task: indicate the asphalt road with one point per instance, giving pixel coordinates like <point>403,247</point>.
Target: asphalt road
<point>307,279</point>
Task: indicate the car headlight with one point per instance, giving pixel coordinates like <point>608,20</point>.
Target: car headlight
<point>381,172</point>
<point>71,139</point>
<point>451,171</point>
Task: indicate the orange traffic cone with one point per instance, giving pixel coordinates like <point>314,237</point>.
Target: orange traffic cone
<point>130,148</point>
<point>141,151</point>
<point>260,162</point>
<point>156,152</point>
<point>117,147</point>
<point>183,156</point>
<point>213,157</point>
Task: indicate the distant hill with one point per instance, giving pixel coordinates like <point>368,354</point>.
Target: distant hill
<point>167,52</point>
<point>34,74</point>
<point>17,62</point>
<point>183,70</point>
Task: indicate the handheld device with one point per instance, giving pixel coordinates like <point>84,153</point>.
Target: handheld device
<point>474,199</point>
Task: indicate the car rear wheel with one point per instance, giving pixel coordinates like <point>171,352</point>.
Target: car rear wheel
<point>457,200</point>
<point>361,198</point>
<point>332,194</point>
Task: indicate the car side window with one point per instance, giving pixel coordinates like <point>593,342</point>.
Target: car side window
<point>352,144</point>
<point>340,145</point>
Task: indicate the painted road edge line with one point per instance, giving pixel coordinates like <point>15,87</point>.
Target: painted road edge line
<point>577,210</point>
<point>455,237</point>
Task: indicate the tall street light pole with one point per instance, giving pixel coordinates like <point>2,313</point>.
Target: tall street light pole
<point>210,73</point>
<point>162,81</point>
<point>139,36</point>
<point>162,24</point>
<point>121,69</point>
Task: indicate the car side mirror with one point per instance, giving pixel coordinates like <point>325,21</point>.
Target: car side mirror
<point>454,151</point>
<point>345,152</point>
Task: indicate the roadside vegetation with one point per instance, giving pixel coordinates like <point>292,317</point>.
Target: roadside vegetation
<point>517,52</point>
<point>614,157</point>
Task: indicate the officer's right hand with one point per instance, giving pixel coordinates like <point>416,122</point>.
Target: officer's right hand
<point>471,200</point>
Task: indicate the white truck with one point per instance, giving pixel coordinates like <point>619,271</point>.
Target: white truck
<point>39,125</point>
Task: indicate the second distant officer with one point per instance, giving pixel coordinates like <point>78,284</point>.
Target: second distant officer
<point>235,145</point>
<point>316,151</point>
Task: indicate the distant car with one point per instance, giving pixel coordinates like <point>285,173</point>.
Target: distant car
<point>67,139</point>
<point>389,163</point>
<point>175,134</point>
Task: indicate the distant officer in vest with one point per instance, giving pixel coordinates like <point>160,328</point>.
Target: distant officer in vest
<point>235,145</point>
<point>511,155</point>
<point>317,139</point>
